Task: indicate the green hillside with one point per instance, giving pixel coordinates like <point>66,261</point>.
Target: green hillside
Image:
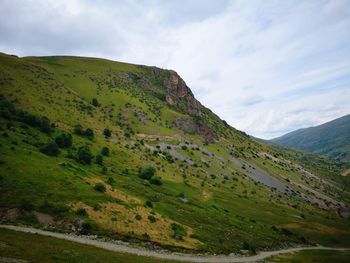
<point>125,151</point>
<point>331,138</point>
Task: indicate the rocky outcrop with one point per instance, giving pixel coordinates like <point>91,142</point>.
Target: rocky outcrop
<point>189,126</point>
<point>180,96</point>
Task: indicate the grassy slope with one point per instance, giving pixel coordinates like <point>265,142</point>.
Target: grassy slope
<point>312,256</point>
<point>331,138</point>
<point>222,213</point>
<point>35,248</point>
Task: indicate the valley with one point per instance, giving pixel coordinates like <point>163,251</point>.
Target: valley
<point>125,152</point>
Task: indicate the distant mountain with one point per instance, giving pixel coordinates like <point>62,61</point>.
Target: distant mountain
<point>331,138</point>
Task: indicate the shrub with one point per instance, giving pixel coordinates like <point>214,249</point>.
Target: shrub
<point>64,140</point>
<point>156,180</point>
<point>45,125</point>
<point>86,228</point>
<point>105,151</point>
<point>51,149</point>
<point>286,232</point>
<point>110,181</point>
<point>89,133</point>
<point>178,231</point>
<point>81,212</point>
<point>138,217</point>
<point>94,102</point>
<point>78,130</point>
<point>152,218</point>
<point>84,155</point>
<point>146,172</point>
<point>149,204</point>
<point>248,246</point>
<point>100,187</point>
<point>107,133</point>
<point>99,159</point>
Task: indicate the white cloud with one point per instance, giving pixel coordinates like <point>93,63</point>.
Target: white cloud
<point>266,67</point>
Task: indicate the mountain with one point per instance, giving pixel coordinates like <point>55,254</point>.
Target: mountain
<point>331,138</point>
<point>125,151</point>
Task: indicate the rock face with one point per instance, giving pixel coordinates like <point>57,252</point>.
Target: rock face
<point>190,126</point>
<point>180,95</point>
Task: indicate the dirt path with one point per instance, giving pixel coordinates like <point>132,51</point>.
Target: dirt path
<point>170,256</point>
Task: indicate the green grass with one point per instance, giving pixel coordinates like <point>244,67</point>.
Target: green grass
<point>313,256</point>
<point>222,213</point>
<point>36,248</point>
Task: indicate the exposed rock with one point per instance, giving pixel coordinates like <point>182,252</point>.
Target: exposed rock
<point>344,212</point>
<point>44,219</point>
<point>156,72</point>
<point>180,95</point>
<point>144,83</point>
<point>189,126</point>
<point>125,77</point>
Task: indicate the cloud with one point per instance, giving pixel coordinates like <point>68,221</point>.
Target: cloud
<point>266,67</point>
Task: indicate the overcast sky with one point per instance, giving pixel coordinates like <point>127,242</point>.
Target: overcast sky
<point>266,67</point>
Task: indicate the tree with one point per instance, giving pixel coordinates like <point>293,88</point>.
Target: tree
<point>107,133</point>
<point>84,155</point>
<point>51,149</point>
<point>105,151</point>
<point>146,172</point>
<point>99,159</point>
<point>64,140</point>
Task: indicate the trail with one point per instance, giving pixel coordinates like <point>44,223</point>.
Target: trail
<point>170,256</point>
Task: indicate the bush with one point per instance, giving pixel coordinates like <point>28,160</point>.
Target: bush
<point>86,228</point>
<point>51,149</point>
<point>146,172</point>
<point>152,218</point>
<point>81,212</point>
<point>178,231</point>
<point>79,130</point>
<point>248,246</point>
<point>138,217</point>
<point>105,151</point>
<point>110,181</point>
<point>84,155</point>
<point>89,133</point>
<point>99,159</point>
<point>107,133</point>
<point>94,102</point>
<point>45,125</point>
<point>64,140</point>
<point>149,204</point>
<point>156,180</point>
<point>100,187</point>
<point>286,232</point>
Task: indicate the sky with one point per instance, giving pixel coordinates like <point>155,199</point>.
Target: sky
<point>266,67</point>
